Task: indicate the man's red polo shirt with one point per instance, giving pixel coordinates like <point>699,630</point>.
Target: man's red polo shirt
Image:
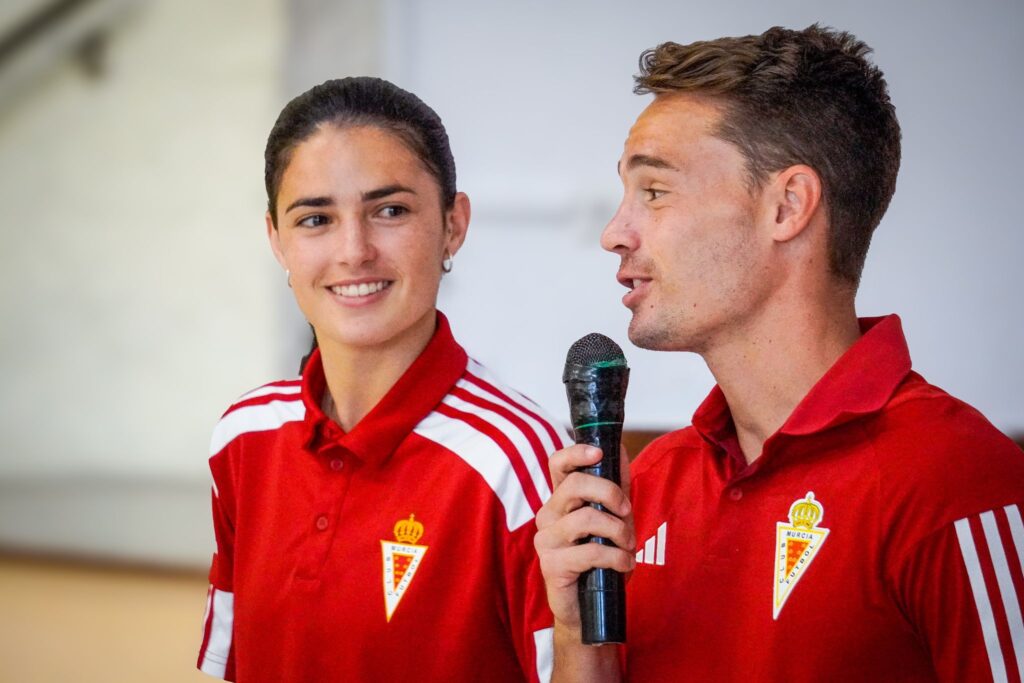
<point>402,550</point>
<point>877,538</point>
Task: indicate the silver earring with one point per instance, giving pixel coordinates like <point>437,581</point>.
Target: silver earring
<point>446,262</point>
<point>288,278</point>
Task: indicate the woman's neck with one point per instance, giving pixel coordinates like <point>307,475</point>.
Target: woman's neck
<point>358,377</point>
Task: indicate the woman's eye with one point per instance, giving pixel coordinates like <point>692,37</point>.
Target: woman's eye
<point>314,221</point>
<point>392,211</point>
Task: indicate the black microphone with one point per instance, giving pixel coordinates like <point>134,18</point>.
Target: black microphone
<point>595,380</point>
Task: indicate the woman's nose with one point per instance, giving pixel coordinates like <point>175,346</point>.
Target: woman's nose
<point>354,243</point>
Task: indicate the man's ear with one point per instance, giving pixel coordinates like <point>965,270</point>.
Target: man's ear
<point>457,223</point>
<point>794,196</point>
<point>275,241</point>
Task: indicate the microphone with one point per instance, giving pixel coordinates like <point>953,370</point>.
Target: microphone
<point>595,379</point>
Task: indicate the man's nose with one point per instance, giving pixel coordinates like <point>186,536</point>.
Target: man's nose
<point>620,235</point>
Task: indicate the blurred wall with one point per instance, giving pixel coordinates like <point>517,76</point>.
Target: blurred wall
<point>137,294</point>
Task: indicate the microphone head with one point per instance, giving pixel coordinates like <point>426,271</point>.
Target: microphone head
<point>595,350</point>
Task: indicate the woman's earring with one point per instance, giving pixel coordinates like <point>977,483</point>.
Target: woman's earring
<point>288,278</point>
<point>446,262</point>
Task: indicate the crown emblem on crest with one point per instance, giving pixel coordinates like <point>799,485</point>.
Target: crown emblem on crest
<point>402,558</point>
<point>408,530</point>
<point>796,546</point>
<point>806,513</point>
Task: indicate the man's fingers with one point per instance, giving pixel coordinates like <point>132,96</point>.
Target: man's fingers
<point>578,489</point>
<point>571,561</point>
<point>584,522</point>
<point>566,461</point>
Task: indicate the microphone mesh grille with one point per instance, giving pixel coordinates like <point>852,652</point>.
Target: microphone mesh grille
<point>593,348</point>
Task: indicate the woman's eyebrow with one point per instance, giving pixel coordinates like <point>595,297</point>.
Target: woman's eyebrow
<point>367,196</point>
<point>382,192</point>
<point>311,201</point>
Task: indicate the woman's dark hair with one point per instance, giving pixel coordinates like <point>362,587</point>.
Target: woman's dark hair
<point>360,101</point>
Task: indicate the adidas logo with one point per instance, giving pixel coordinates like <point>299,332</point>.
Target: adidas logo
<point>654,548</point>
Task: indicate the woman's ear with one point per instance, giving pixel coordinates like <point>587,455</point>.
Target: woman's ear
<point>457,223</point>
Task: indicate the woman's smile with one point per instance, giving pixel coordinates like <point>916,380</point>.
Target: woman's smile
<point>361,293</point>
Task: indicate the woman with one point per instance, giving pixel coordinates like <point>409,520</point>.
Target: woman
<point>374,518</point>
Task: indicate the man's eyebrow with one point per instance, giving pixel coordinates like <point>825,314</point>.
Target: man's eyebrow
<point>382,192</point>
<point>647,160</point>
<point>310,201</point>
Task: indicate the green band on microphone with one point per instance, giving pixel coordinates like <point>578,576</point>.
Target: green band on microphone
<point>619,362</point>
<point>595,424</point>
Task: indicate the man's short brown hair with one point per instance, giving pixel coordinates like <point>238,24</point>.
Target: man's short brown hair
<point>798,97</point>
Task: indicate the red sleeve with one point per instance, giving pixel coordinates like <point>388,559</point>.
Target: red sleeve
<point>530,618</point>
<point>216,654</point>
<point>962,587</point>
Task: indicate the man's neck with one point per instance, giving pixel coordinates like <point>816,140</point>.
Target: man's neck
<point>764,371</point>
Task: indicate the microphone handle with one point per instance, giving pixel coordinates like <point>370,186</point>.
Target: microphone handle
<point>602,592</point>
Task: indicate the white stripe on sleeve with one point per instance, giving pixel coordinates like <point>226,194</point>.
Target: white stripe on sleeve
<point>218,647</point>
<point>209,603</point>
<point>269,389</point>
<point>481,453</point>
<point>1006,590</point>
<point>483,373</point>
<point>258,418</point>
<point>513,433</point>
<point>1017,532</point>
<point>981,601</point>
<point>536,425</point>
<point>544,643</point>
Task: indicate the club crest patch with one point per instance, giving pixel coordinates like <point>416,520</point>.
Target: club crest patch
<point>796,545</point>
<point>402,557</point>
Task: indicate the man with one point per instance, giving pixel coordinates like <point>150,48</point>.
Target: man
<point>829,515</point>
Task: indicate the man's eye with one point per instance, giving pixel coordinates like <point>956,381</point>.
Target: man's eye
<point>392,211</point>
<point>652,194</point>
<point>314,221</point>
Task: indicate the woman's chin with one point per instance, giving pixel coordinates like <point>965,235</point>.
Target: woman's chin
<point>377,333</point>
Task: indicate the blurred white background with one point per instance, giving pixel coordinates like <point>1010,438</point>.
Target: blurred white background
<point>139,297</point>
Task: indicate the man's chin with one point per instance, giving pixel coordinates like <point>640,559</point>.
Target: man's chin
<point>645,337</point>
<point>657,338</point>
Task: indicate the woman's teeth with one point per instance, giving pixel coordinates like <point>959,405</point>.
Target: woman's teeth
<point>362,289</point>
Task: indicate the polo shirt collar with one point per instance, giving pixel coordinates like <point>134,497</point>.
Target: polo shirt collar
<point>416,393</point>
<point>861,382</point>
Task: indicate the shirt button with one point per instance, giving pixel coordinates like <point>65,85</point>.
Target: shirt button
<point>321,522</point>
<point>337,464</point>
<point>735,493</point>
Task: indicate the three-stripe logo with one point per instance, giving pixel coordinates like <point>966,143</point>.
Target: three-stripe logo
<point>653,551</point>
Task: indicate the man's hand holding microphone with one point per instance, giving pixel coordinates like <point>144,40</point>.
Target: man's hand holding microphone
<point>585,535</point>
